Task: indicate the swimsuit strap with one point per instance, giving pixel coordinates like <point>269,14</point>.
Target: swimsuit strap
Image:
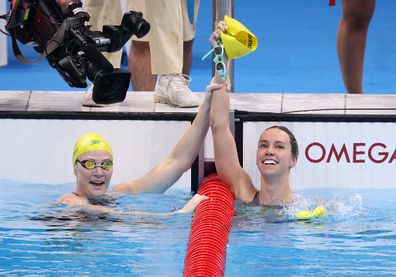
<point>256,199</point>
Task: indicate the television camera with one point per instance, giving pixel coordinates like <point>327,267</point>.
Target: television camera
<point>64,39</point>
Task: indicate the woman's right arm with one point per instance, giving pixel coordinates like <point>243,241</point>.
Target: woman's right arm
<point>225,152</point>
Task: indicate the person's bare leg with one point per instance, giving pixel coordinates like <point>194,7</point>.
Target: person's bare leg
<point>187,56</point>
<point>139,64</point>
<point>351,41</point>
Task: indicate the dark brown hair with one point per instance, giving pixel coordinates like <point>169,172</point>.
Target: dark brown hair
<point>293,141</point>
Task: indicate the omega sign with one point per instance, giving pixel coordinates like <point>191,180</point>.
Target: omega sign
<point>358,152</point>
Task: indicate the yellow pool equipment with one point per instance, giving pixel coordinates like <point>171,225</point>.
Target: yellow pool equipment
<point>317,212</point>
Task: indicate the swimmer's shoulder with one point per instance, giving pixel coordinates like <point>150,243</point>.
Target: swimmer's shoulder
<point>72,199</point>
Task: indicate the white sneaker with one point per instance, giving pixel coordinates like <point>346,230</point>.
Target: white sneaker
<point>87,100</point>
<point>173,89</point>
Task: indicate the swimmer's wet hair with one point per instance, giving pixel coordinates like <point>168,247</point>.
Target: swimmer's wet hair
<point>293,141</point>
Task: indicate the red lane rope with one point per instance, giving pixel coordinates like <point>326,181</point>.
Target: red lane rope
<point>210,228</point>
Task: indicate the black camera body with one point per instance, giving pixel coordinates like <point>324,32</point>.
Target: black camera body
<point>72,48</point>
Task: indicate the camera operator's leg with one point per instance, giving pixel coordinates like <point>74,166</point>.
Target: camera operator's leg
<point>187,56</point>
<point>139,63</point>
<point>170,41</point>
<point>351,41</point>
<point>139,60</point>
<point>172,61</point>
<point>103,12</point>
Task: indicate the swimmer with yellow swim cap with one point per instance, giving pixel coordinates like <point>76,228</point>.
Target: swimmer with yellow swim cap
<point>93,166</point>
<point>92,162</point>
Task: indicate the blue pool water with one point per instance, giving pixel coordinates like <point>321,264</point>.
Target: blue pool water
<point>40,238</point>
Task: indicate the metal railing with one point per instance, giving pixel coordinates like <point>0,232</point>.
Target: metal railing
<point>219,9</point>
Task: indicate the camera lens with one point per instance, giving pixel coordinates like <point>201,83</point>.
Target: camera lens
<point>135,22</point>
<point>142,28</point>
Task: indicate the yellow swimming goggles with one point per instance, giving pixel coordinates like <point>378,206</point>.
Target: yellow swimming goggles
<point>90,164</point>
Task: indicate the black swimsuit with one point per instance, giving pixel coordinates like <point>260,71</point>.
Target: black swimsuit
<point>256,202</point>
<point>101,201</point>
<point>256,199</point>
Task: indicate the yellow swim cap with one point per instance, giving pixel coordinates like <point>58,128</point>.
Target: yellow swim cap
<point>90,142</point>
<point>238,41</point>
